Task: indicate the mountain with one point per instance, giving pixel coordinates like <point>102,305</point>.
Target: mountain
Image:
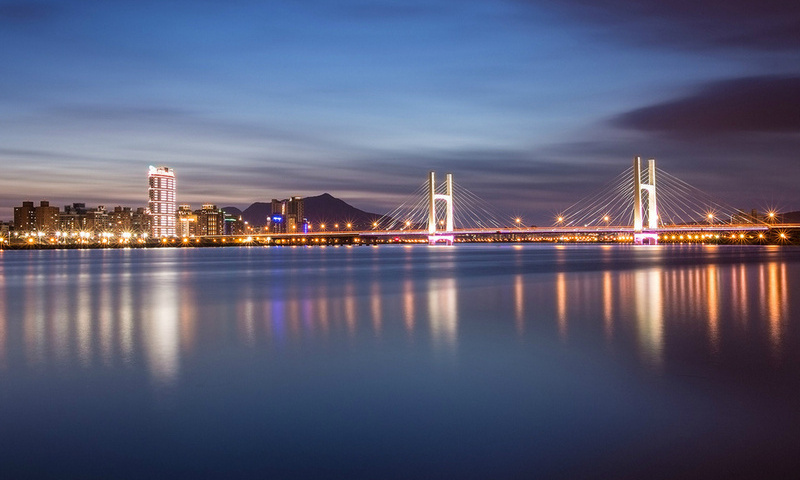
<point>328,209</point>
<point>257,213</point>
<point>320,209</point>
<point>232,211</point>
<point>790,217</point>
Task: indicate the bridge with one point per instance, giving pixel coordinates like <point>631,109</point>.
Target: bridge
<point>684,213</point>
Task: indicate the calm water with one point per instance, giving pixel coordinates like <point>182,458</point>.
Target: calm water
<point>531,361</point>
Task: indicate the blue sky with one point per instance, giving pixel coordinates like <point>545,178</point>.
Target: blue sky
<point>531,104</point>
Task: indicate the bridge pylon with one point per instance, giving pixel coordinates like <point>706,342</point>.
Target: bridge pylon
<point>435,235</point>
<point>640,235</point>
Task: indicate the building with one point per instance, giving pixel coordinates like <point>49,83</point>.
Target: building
<point>234,225</point>
<point>210,220</point>
<point>5,228</point>
<point>187,221</point>
<point>287,216</point>
<point>121,220</point>
<point>140,221</point>
<point>25,217</point>
<point>42,218</point>
<point>97,220</point>
<point>72,218</point>
<point>162,201</point>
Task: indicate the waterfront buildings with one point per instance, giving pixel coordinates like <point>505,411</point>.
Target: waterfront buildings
<point>162,201</point>
<point>25,217</point>
<point>42,218</point>
<point>187,221</point>
<point>210,220</point>
<point>288,216</point>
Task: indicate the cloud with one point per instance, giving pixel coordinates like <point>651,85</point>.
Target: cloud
<point>767,104</point>
<point>763,25</point>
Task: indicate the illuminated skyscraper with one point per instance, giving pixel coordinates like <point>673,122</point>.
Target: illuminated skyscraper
<point>162,201</point>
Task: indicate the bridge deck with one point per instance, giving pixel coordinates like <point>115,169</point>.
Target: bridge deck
<point>611,229</point>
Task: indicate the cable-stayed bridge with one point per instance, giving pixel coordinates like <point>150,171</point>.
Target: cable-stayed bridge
<point>638,205</point>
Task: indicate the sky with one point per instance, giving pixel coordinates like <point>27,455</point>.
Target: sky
<point>531,104</point>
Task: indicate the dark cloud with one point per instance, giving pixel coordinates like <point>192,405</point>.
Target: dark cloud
<point>757,104</point>
<point>26,12</point>
<point>765,25</point>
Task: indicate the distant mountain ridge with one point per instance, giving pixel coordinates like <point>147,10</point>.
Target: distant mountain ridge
<point>790,217</point>
<point>320,209</point>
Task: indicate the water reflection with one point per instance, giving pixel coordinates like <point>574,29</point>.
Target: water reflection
<point>519,303</point>
<point>608,306</point>
<point>3,322</point>
<point>161,330</point>
<point>774,301</point>
<point>123,309</point>
<point>443,310</point>
<point>654,304</point>
<point>561,304</point>
<point>649,308</point>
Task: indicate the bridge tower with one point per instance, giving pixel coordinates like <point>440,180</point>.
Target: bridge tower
<point>434,234</point>
<point>640,235</point>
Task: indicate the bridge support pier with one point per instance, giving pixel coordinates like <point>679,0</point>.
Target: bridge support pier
<point>445,236</point>
<point>640,236</point>
<point>645,238</point>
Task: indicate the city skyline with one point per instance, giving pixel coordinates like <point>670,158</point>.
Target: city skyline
<point>531,104</point>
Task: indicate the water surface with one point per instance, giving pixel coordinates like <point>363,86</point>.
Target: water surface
<point>474,361</point>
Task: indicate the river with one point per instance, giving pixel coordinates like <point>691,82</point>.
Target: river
<point>473,361</point>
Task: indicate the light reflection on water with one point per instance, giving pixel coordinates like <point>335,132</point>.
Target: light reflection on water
<point>110,311</point>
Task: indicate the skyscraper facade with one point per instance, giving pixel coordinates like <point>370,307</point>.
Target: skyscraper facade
<point>162,201</point>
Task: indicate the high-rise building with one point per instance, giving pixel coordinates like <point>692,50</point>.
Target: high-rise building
<point>121,220</point>
<point>25,217</point>
<point>43,218</point>
<point>162,201</point>
<point>287,216</point>
<point>234,225</point>
<point>97,220</point>
<point>210,220</point>
<point>72,218</point>
<point>140,221</point>
<point>187,221</point>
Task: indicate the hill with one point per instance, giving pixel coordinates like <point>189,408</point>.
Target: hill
<point>320,209</point>
<point>789,217</point>
<point>232,211</point>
